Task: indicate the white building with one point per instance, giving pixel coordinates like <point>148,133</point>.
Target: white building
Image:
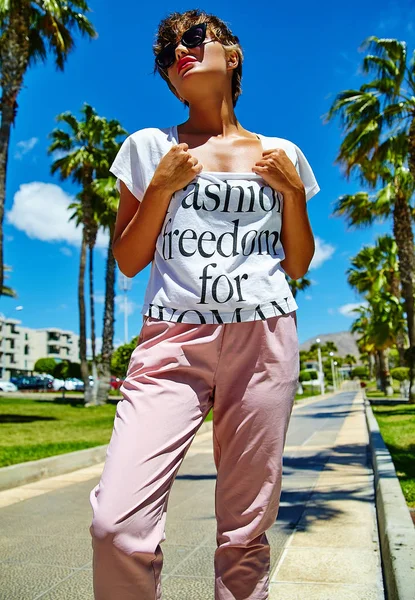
<point>21,347</point>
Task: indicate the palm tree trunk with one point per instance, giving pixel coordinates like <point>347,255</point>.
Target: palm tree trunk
<point>82,320</point>
<point>6,121</point>
<point>14,58</point>
<point>372,364</point>
<point>400,337</point>
<point>402,230</point>
<point>108,329</point>
<point>384,373</point>
<point>377,370</point>
<point>400,346</point>
<point>92,312</point>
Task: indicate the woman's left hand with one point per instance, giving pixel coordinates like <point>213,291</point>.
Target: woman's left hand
<point>278,170</point>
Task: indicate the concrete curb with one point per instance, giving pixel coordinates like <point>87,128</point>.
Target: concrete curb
<point>396,530</point>
<point>34,470</point>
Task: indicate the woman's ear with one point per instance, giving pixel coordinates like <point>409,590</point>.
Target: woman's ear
<point>232,59</point>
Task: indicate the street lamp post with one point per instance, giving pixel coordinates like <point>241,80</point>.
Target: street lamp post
<point>337,373</point>
<point>125,285</point>
<point>320,366</point>
<point>332,370</point>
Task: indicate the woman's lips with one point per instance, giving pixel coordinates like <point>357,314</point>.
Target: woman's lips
<point>184,64</point>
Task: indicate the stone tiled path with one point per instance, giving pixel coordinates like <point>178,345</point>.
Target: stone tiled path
<point>324,544</point>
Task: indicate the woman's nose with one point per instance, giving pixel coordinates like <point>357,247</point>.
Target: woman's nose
<point>180,51</point>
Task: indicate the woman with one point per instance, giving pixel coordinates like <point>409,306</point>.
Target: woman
<point>203,201</point>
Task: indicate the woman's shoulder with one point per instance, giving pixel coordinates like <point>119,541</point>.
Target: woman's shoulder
<point>272,141</point>
<point>152,135</point>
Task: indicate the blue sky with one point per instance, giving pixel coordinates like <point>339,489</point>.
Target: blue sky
<point>298,56</point>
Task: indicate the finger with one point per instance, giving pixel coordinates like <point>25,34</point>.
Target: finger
<point>269,151</point>
<point>183,146</point>
<point>262,163</point>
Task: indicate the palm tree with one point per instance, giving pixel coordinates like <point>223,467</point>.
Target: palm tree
<point>379,122</point>
<point>29,31</point>
<point>105,188</point>
<point>77,215</point>
<point>107,204</point>
<point>376,268</point>
<point>84,157</point>
<point>329,346</point>
<point>299,285</point>
<point>350,360</point>
<point>363,325</point>
<point>7,290</point>
<point>378,323</point>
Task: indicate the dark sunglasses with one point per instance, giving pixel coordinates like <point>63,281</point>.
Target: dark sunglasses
<point>191,38</point>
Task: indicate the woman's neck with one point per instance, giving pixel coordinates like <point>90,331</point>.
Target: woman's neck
<point>212,116</point>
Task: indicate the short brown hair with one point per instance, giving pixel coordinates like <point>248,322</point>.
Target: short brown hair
<point>176,23</point>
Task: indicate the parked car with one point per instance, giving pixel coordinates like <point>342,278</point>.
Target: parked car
<point>72,384</point>
<point>34,382</point>
<point>77,383</point>
<point>8,386</point>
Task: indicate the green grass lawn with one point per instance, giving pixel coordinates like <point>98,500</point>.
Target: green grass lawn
<point>33,429</point>
<point>308,393</point>
<point>397,426</point>
<point>379,394</point>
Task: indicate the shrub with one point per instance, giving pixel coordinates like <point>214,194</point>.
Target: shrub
<point>400,373</point>
<point>45,365</point>
<point>305,376</point>
<point>360,372</point>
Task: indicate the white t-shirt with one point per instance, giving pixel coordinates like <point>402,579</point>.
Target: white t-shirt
<point>218,254</point>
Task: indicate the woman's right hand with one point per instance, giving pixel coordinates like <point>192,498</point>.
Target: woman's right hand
<point>176,169</point>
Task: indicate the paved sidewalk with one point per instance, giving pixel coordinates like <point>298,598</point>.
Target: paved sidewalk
<point>324,544</point>
<point>333,552</point>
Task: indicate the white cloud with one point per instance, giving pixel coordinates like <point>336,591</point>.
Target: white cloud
<point>323,252</point>
<point>346,309</point>
<point>66,251</point>
<point>57,154</point>
<point>99,298</point>
<point>118,342</point>
<point>24,147</point>
<point>41,211</point>
<point>128,307</point>
<point>308,297</point>
<point>98,346</point>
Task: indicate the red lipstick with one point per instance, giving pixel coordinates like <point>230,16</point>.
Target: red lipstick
<point>183,61</point>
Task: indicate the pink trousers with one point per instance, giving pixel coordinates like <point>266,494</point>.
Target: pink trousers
<point>248,372</point>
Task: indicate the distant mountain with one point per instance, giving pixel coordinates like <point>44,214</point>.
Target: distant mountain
<point>344,340</point>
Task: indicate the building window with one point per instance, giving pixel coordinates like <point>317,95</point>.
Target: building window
<point>26,349</point>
